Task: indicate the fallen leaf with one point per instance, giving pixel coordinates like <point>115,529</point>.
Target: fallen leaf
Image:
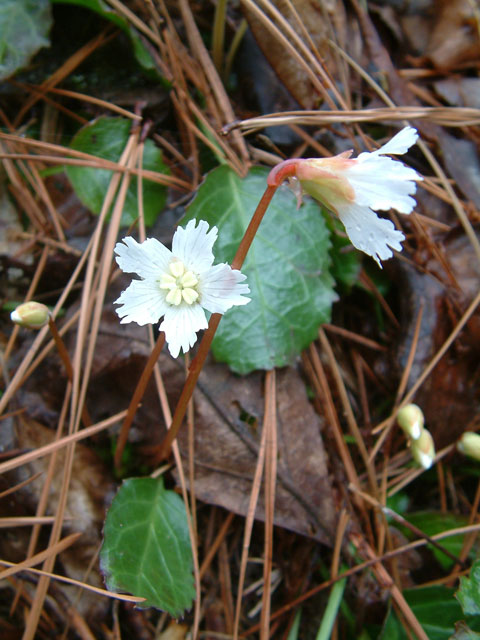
<point>463,164</point>
<point>449,395</point>
<point>90,486</point>
<point>459,91</point>
<point>309,15</point>
<point>454,36</point>
<point>228,421</point>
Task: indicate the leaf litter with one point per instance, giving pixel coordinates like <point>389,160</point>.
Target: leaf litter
<point>338,455</point>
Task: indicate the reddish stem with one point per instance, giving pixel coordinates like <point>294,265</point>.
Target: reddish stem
<point>199,360</point>
<point>282,171</point>
<point>137,396</point>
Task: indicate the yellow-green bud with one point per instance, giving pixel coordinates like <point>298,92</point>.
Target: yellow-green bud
<point>32,315</point>
<point>469,444</point>
<point>423,449</point>
<point>411,419</point>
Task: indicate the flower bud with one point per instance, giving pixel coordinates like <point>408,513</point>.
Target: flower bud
<point>411,419</point>
<point>469,444</point>
<point>423,449</point>
<point>32,315</point>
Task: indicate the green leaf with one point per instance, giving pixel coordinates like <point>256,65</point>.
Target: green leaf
<point>435,608</point>
<point>433,522</point>
<point>146,549</point>
<point>346,261</point>
<point>24,27</point>
<point>100,7</point>
<point>469,593</point>
<point>106,138</point>
<point>399,503</point>
<point>287,269</point>
<point>295,628</point>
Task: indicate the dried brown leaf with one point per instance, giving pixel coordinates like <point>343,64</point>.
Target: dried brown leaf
<point>229,415</point>
<point>454,37</point>
<point>89,487</point>
<point>288,69</point>
<point>449,395</point>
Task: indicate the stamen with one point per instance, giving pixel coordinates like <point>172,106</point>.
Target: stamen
<point>177,268</point>
<point>189,279</point>
<point>174,296</point>
<point>189,295</point>
<point>181,284</point>
<point>168,282</point>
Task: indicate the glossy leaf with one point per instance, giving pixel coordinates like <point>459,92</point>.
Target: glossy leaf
<point>433,522</point>
<point>469,593</point>
<point>437,611</point>
<point>106,138</point>
<point>346,260</point>
<point>24,27</point>
<point>146,549</point>
<point>100,7</point>
<point>287,269</point>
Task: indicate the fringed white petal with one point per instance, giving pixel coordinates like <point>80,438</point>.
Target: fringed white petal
<point>398,145</point>
<point>383,183</point>
<point>145,301</point>
<point>369,233</point>
<point>142,302</point>
<point>148,259</point>
<point>181,325</point>
<point>220,288</point>
<point>193,245</point>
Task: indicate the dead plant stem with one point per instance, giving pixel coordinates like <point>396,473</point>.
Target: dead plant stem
<point>67,363</point>
<point>361,567</point>
<point>247,534</point>
<point>216,543</point>
<point>352,423</point>
<point>271,446</point>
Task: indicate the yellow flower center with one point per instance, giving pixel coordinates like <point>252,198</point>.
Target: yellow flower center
<point>180,283</point>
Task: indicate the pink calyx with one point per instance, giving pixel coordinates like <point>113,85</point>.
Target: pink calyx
<point>283,171</point>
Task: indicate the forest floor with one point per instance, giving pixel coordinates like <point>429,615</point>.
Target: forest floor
<point>308,517</point>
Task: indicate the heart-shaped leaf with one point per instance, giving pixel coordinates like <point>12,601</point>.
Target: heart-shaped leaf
<point>24,27</point>
<point>103,9</point>
<point>469,593</point>
<point>146,549</point>
<point>434,522</point>
<point>287,269</point>
<point>437,611</point>
<point>106,138</point>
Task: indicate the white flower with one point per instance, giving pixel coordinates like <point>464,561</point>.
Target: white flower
<point>354,188</point>
<point>177,284</point>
